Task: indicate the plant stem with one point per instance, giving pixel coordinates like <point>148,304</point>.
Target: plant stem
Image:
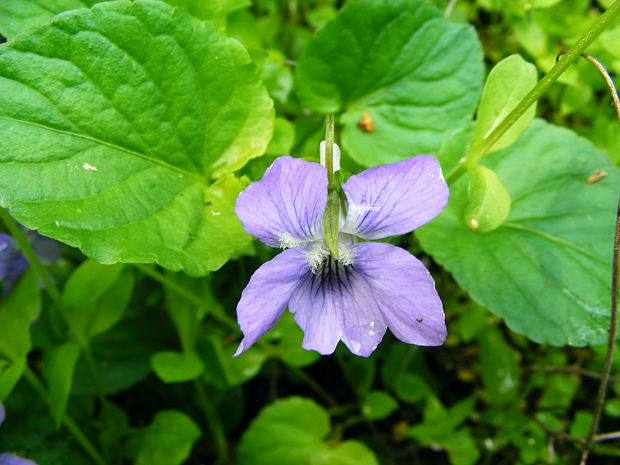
<point>54,294</point>
<point>613,327</point>
<point>329,151</point>
<point>214,422</point>
<point>480,150</point>
<point>68,422</point>
<point>316,387</point>
<point>187,294</point>
<point>32,258</point>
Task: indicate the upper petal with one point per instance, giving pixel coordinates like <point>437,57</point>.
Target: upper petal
<point>394,199</point>
<point>405,292</point>
<point>336,303</point>
<point>285,208</point>
<point>267,294</point>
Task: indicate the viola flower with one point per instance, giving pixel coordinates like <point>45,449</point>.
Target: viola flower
<point>10,459</point>
<point>12,261</point>
<point>371,286</point>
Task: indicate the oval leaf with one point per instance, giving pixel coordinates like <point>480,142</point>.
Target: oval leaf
<point>547,269</point>
<point>113,123</point>
<point>291,432</point>
<point>488,202</point>
<point>399,68</point>
<point>509,81</point>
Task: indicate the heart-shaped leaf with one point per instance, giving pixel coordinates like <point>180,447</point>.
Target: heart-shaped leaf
<point>547,269</point>
<point>402,75</point>
<point>113,123</point>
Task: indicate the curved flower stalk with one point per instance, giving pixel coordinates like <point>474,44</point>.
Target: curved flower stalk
<point>10,459</point>
<point>371,286</point>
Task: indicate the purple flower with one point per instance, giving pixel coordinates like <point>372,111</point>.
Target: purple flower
<point>371,286</point>
<point>12,261</point>
<point>10,459</point>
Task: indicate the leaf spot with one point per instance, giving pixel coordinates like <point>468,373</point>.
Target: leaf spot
<point>89,167</point>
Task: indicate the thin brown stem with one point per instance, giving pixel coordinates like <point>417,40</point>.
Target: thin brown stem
<point>602,388</point>
<point>608,80</point>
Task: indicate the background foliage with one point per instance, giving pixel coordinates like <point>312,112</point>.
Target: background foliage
<point>127,129</point>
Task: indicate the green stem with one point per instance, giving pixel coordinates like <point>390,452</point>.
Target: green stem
<point>316,387</point>
<point>480,150</point>
<point>187,294</point>
<point>214,422</point>
<point>611,339</point>
<point>329,151</point>
<point>68,422</point>
<point>54,294</point>
<point>32,258</point>
<point>331,217</point>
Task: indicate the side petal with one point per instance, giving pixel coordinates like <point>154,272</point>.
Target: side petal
<point>406,293</point>
<point>336,304</point>
<point>10,459</point>
<point>267,294</point>
<point>394,199</point>
<point>285,208</point>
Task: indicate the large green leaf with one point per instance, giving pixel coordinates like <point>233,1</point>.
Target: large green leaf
<point>291,432</point>
<point>20,15</point>
<point>416,74</point>
<point>113,123</point>
<point>547,269</point>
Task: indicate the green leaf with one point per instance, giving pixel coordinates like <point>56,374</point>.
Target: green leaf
<point>168,440</point>
<point>176,367</point>
<point>58,370</point>
<point>115,120</point>
<point>546,269</point>
<point>291,432</point>
<point>17,313</point>
<point>416,74</point>
<point>509,81</point>
<point>498,364</point>
<point>88,282</point>
<point>101,315</point>
<point>378,405</point>
<point>411,388</point>
<point>20,15</point>
<point>488,202</point>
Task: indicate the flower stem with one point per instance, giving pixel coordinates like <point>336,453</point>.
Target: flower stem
<point>71,425</point>
<point>331,217</point>
<point>32,258</point>
<point>329,151</point>
<point>187,294</point>
<point>55,295</point>
<point>480,150</point>
<point>214,422</point>
<point>613,327</point>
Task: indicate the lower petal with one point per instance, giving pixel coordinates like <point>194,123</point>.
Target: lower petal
<point>405,291</point>
<point>268,293</point>
<point>336,304</point>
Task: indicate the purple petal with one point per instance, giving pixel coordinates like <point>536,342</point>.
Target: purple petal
<point>337,305</point>
<point>405,292</point>
<point>267,294</point>
<point>10,459</point>
<point>285,208</point>
<point>8,253</point>
<point>395,199</point>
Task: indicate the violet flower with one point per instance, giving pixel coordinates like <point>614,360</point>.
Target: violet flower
<point>10,459</point>
<point>371,286</point>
